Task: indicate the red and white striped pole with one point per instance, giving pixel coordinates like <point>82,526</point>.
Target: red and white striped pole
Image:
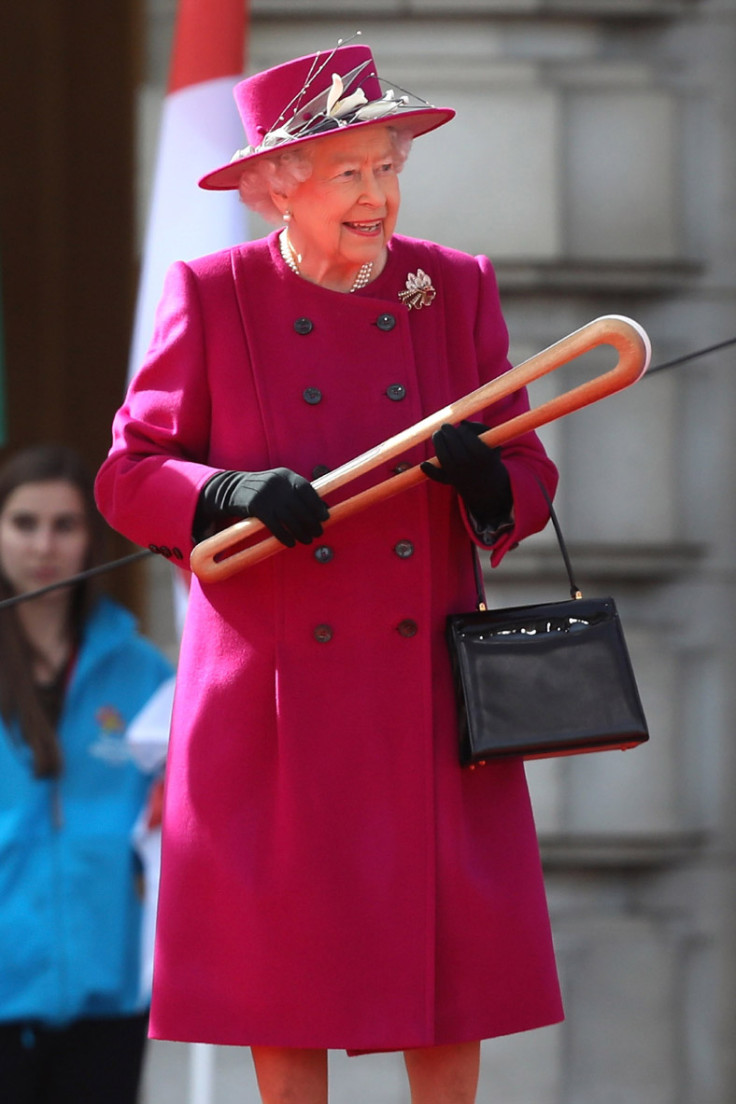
<point>199,129</point>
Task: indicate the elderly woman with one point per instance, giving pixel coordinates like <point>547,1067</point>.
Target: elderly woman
<point>331,876</point>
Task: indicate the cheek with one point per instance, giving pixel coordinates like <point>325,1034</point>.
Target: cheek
<point>78,550</point>
<point>74,552</point>
<point>12,559</point>
<point>12,546</point>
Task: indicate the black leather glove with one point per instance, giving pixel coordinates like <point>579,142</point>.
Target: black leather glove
<point>285,502</point>
<point>474,469</point>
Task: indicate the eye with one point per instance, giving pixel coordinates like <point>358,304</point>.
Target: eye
<point>24,523</point>
<point>69,523</point>
<point>386,168</point>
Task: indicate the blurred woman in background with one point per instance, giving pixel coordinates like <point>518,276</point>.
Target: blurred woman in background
<point>73,673</point>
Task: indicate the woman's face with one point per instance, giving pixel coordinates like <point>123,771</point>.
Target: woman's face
<point>44,535</point>
<point>343,215</point>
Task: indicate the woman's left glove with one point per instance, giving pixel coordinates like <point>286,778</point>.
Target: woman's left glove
<point>474,469</point>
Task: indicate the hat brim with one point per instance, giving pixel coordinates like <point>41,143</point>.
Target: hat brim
<point>417,121</point>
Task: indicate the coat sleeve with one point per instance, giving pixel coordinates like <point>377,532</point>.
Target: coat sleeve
<point>525,458</point>
<point>148,486</point>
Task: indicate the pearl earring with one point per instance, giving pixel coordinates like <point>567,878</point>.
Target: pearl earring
<point>287,215</point>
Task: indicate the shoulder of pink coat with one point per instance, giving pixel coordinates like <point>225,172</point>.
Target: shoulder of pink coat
<point>254,252</point>
<point>444,254</point>
<point>462,274</point>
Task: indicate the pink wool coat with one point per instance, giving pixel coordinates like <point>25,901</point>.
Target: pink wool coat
<point>331,877</point>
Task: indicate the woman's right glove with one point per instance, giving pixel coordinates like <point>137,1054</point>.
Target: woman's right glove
<point>285,502</point>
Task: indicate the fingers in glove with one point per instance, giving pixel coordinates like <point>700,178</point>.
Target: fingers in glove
<point>306,513</point>
<point>457,449</point>
<point>292,511</point>
<point>277,529</point>
<point>439,474</point>
<point>470,433</point>
<point>478,428</point>
<point>451,449</point>
<point>433,472</point>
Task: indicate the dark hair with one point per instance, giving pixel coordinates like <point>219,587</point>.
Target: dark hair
<point>19,699</point>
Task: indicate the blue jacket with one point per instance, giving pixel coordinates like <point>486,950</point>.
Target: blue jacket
<point>70,914</point>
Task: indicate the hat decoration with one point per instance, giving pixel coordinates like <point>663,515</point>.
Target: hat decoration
<point>354,96</point>
<point>330,110</point>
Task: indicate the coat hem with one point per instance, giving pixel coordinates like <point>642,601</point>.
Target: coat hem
<point>221,1039</point>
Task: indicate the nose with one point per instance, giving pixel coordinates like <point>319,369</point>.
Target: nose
<point>374,192</point>
<point>43,539</point>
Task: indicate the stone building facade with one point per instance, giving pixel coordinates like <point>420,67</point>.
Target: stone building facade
<point>593,159</point>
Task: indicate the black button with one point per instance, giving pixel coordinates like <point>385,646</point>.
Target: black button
<point>177,552</point>
<point>396,392</point>
<point>404,549</point>
<point>407,627</point>
<point>319,471</point>
<point>402,466</point>
<point>323,554</point>
<point>165,551</point>
<point>323,634</point>
<point>385,322</point>
<point>304,326</point>
<point>154,548</point>
<point>312,395</point>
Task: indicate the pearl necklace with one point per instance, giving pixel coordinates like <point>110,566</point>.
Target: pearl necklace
<point>287,252</point>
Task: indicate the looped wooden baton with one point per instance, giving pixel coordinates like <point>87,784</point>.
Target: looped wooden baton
<point>238,546</point>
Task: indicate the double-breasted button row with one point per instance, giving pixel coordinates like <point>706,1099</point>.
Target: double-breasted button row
<point>168,553</point>
<point>407,628</point>
<point>385,322</point>
<point>313,395</point>
<point>324,553</point>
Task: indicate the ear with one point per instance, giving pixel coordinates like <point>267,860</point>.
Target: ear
<point>280,202</point>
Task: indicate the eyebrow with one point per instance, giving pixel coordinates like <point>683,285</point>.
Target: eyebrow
<point>22,512</point>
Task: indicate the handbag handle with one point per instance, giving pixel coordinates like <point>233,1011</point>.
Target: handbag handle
<point>575,591</point>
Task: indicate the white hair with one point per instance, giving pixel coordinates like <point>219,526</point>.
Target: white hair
<point>284,171</point>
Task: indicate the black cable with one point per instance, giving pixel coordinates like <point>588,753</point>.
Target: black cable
<point>690,356</point>
<point>6,602</point>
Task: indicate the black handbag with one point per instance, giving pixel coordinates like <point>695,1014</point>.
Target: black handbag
<point>543,680</point>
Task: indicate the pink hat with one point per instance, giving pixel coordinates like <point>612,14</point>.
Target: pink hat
<point>320,94</point>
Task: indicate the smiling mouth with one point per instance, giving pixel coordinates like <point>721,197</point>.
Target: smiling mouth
<point>367,228</point>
